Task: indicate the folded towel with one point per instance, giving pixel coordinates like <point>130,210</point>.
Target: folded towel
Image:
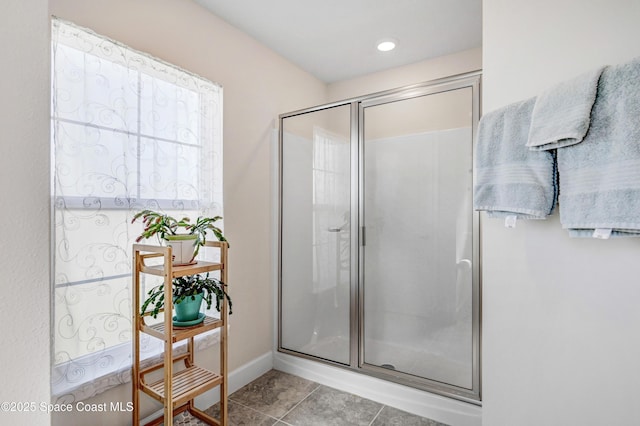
<point>562,113</point>
<point>512,180</point>
<point>600,177</point>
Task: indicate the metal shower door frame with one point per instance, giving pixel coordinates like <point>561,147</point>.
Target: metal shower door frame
<point>470,80</point>
<point>473,394</point>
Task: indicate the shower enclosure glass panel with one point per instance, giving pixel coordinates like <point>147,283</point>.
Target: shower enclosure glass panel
<point>315,242</point>
<point>379,244</point>
<point>417,255</point>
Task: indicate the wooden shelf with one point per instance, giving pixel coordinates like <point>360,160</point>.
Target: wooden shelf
<point>182,333</point>
<point>185,385</point>
<point>180,271</point>
<point>178,388</point>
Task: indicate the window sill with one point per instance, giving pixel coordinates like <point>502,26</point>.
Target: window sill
<point>93,374</point>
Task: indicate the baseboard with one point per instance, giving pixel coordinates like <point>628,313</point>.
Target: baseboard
<point>446,410</point>
<point>237,378</point>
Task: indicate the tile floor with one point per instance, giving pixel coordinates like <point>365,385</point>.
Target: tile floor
<point>282,399</point>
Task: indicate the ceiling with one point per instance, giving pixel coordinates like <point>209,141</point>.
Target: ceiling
<point>336,39</point>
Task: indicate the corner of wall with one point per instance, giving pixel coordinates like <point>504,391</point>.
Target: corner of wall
<point>25,177</point>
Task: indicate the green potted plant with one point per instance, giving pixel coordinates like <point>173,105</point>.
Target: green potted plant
<point>185,245</point>
<point>188,292</point>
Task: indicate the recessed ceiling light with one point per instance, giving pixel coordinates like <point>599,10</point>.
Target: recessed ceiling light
<point>386,45</point>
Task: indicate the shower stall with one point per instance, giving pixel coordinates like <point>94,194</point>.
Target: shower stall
<point>378,245</point>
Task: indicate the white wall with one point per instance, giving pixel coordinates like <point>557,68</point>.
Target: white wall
<point>24,191</point>
<point>560,315</point>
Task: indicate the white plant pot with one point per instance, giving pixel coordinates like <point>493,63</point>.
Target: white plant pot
<point>182,248</point>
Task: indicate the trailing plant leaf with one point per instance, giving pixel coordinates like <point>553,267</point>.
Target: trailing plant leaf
<point>155,296</point>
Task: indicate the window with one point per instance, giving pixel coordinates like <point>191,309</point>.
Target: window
<point>129,132</point>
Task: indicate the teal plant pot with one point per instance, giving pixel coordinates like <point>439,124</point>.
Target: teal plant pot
<point>188,310</point>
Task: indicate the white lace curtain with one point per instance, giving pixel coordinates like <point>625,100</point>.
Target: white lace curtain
<point>129,132</point>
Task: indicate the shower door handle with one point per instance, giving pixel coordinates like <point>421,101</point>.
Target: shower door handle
<point>464,263</point>
<point>334,229</point>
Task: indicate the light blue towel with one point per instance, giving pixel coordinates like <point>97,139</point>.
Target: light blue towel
<point>512,180</point>
<point>562,113</point>
<point>600,177</point>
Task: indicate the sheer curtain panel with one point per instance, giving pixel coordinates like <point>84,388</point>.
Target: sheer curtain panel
<point>129,132</point>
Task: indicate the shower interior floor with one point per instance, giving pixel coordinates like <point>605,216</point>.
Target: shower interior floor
<point>416,360</point>
<point>281,399</point>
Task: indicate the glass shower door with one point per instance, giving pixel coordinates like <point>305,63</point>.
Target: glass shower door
<point>316,234</point>
<point>379,252</point>
<point>416,258</point>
